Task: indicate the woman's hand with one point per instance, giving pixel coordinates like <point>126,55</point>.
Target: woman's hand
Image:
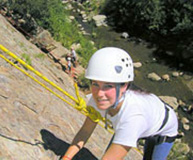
<point>80,139</point>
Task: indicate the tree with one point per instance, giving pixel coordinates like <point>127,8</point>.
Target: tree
<point>166,23</point>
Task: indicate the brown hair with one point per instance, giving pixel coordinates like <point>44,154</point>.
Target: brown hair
<point>136,88</point>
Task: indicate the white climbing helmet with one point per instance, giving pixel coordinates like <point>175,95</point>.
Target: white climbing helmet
<point>110,64</point>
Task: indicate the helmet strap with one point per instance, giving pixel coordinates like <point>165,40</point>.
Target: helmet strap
<point>117,100</point>
<point>118,86</point>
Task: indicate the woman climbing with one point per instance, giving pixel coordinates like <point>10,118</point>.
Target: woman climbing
<point>134,114</point>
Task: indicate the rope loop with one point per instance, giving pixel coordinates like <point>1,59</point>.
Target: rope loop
<point>93,114</point>
<point>81,104</point>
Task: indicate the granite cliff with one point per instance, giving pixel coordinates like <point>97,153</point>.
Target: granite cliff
<point>34,123</point>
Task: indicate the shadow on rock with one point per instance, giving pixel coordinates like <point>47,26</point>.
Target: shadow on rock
<point>59,147</point>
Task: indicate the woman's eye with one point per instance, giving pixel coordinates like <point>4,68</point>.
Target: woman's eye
<point>103,87</point>
<point>95,84</point>
<point>108,86</point>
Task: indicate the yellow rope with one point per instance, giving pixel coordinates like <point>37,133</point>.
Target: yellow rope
<point>23,71</point>
<point>80,102</point>
<point>36,72</point>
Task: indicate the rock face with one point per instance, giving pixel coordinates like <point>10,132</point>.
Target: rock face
<point>34,123</point>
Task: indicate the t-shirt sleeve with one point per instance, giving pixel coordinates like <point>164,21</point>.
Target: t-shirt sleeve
<point>129,131</point>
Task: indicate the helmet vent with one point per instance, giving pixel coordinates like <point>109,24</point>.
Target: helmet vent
<point>118,69</point>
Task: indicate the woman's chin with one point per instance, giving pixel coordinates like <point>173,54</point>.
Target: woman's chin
<point>102,107</point>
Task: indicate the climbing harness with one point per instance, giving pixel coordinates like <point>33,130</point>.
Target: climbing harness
<point>156,140</point>
<point>151,141</point>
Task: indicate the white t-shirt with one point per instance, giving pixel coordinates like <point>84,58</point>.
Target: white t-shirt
<point>141,115</point>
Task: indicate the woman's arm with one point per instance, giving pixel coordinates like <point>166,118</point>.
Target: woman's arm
<point>116,152</point>
<point>80,139</point>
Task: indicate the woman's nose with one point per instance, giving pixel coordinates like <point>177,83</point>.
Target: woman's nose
<point>100,92</point>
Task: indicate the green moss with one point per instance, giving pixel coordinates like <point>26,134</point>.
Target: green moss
<point>26,58</point>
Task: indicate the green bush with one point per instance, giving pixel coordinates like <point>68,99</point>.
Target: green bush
<point>83,83</point>
<point>94,6</point>
<point>53,16</point>
<point>166,24</point>
<point>40,56</point>
<point>86,51</point>
<point>26,58</point>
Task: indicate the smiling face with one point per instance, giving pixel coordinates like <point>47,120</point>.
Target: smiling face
<point>104,93</point>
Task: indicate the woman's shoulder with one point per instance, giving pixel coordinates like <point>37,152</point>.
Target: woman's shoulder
<point>140,94</point>
<point>135,99</point>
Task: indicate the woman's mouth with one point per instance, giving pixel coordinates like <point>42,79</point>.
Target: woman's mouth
<point>102,101</point>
